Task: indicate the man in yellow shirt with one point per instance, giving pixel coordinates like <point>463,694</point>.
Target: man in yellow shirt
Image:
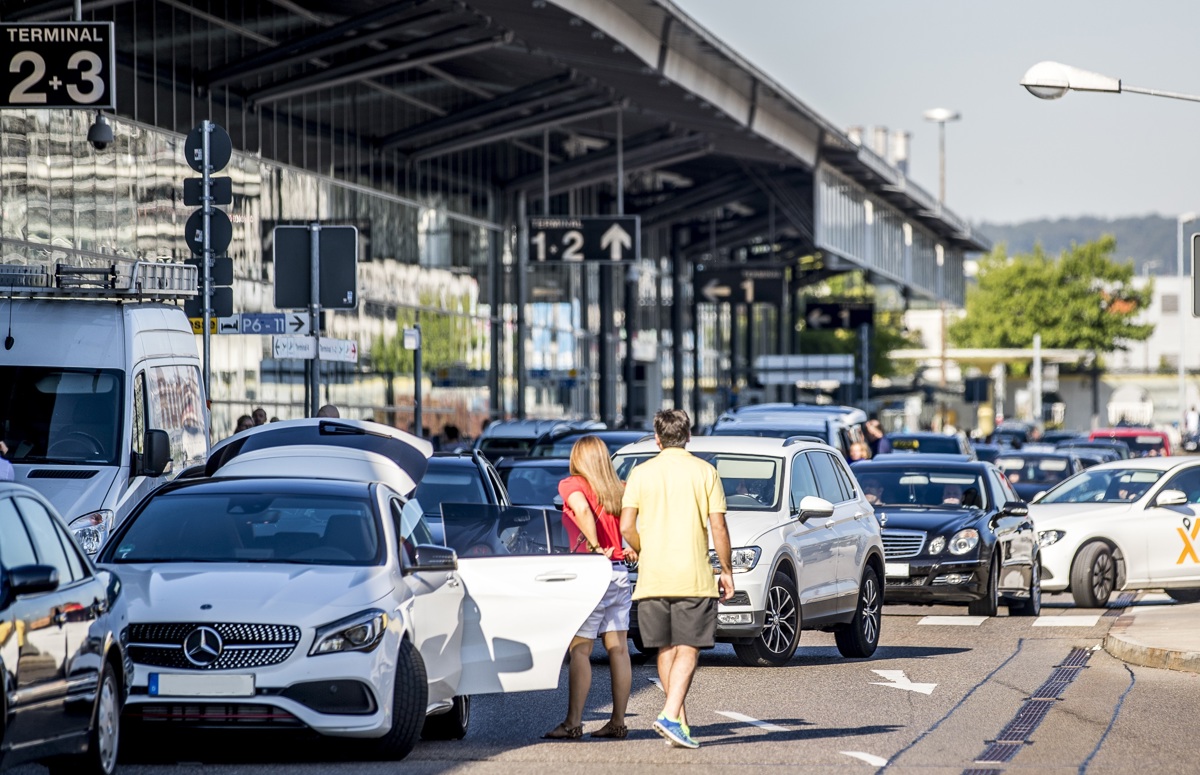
<point>670,504</point>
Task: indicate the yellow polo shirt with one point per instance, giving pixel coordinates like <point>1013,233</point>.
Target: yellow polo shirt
<point>674,492</point>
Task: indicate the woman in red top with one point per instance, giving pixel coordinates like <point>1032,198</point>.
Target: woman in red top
<point>591,508</point>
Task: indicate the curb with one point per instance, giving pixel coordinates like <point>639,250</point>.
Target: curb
<point>1134,652</point>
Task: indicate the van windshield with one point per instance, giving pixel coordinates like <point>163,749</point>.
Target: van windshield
<point>61,416</point>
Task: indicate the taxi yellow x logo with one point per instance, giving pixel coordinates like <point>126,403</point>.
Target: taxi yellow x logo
<point>1189,548</point>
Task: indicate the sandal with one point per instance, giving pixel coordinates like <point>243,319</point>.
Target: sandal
<point>564,732</point>
<point>615,731</point>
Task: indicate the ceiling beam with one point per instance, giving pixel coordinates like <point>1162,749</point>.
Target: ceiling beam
<point>646,151</point>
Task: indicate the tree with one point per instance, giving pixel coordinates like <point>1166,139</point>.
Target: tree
<point>449,337</point>
<point>1083,299</point>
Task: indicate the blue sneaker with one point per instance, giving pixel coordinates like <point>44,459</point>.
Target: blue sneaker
<point>674,732</point>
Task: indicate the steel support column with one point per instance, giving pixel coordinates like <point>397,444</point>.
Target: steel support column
<point>678,291</point>
<point>522,295</point>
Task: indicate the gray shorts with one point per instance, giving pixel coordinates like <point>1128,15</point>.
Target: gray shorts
<point>678,621</point>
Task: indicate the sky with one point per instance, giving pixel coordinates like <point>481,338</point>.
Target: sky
<point>1011,157</point>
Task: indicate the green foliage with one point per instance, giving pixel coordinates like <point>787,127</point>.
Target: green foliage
<point>1082,299</point>
<point>448,336</point>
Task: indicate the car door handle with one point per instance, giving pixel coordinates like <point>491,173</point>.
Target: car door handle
<point>830,522</point>
<point>451,580</point>
<point>556,576</point>
<point>99,607</point>
<point>859,514</point>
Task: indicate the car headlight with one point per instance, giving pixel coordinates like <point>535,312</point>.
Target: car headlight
<point>744,558</point>
<point>964,541</point>
<point>937,545</point>
<point>361,632</point>
<point>91,530</point>
<point>1050,537</point>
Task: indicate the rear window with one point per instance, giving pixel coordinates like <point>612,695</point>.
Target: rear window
<point>934,445</point>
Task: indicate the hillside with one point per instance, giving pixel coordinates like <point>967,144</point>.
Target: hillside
<point>1145,240</point>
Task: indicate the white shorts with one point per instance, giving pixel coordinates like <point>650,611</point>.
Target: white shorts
<point>612,614</point>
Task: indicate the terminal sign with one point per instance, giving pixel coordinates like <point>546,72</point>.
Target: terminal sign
<point>584,238</point>
<point>57,65</point>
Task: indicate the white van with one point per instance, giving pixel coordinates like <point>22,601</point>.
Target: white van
<point>100,392</point>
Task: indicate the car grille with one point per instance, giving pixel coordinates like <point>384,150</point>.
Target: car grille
<point>243,645</point>
<point>899,544</point>
<point>214,715</point>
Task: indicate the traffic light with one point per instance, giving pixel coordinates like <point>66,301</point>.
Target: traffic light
<point>208,230</point>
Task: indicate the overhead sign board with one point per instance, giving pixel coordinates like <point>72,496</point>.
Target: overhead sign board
<point>216,325</point>
<point>305,347</point>
<point>58,65</point>
<point>793,369</point>
<point>585,238</point>
<point>338,250</point>
<point>740,284</point>
<point>838,314</point>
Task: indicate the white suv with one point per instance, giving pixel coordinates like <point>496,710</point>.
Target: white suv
<point>807,552</point>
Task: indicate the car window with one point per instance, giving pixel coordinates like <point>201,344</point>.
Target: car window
<point>411,528</point>
<point>828,484</point>
<point>50,550</point>
<point>16,547</point>
<point>1188,481</point>
<point>487,531</point>
<point>79,568</point>
<point>751,482</point>
<point>1003,488</point>
<point>923,486</point>
<point>803,481</point>
<point>1110,485</point>
<point>449,484</point>
<point>533,485</point>
<point>847,483</point>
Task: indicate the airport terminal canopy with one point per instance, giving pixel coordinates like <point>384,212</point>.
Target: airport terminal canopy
<point>465,99</point>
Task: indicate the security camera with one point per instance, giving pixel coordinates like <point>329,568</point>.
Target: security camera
<point>100,133</point>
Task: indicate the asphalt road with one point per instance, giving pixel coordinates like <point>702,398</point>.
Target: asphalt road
<point>935,696</point>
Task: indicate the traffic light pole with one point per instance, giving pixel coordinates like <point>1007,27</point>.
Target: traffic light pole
<point>206,260</point>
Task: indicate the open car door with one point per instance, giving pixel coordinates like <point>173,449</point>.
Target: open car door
<point>525,599</point>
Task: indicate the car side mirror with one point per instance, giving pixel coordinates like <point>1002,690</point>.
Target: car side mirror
<point>1015,509</point>
<point>31,579</point>
<point>1171,498</point>
<point>431,557</point>
<point>156,453</point>
<point>812,507</point>
<point>558,501</point>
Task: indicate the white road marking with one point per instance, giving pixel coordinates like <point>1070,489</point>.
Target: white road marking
<point>961,621</point>
<point>898,680</point>
<point>752,721</point>
<point>869,758</point>
<point>1066,621</point>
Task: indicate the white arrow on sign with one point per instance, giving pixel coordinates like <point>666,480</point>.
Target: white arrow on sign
<point>898,680</point>
<point>818,319</point>
<point>714,291</point>
<point>614,240</point>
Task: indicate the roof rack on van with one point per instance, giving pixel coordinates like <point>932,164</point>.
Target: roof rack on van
<point>141,279</point>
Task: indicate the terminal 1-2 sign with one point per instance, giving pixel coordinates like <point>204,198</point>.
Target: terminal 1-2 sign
<point>584,238</point>
<point>57,65</point>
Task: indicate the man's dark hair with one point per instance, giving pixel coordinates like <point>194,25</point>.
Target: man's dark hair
<point>450,432</point>
<point>673,427</point>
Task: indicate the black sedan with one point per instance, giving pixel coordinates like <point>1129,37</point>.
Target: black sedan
<point>954,531</point>
<point>62,672</point>
<point>1031,473</point>
<point>926,442</point>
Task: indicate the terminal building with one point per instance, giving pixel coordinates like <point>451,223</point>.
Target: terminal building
<point>439,128</point>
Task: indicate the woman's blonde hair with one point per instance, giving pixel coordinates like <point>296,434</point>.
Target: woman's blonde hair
<point>589,459</point>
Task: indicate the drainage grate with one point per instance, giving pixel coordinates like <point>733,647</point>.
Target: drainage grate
<point>1124,600</point>
<point>1017,733</point>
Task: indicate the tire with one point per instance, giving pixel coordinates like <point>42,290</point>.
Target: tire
<point>451,725</point>
<point>1093,575</point>
<point>1032,606</point>
<point>990,603</point>
<point>103,743</point>
<point>1184,595</point>
<point>858,638</point>
<point>410,697</point>
<point>777,641</point>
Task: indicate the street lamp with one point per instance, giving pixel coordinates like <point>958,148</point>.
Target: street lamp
<point>940,116</point>
<point>1051,80</point>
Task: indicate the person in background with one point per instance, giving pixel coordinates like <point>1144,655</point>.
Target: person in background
<point>671,503</point>
<point>591,497</point>
<point>7,474</point>
<point>244,423</point>
<point>260,416</point>
<point>328,410</point>
<point>453,439</point>
<point>874,433</point>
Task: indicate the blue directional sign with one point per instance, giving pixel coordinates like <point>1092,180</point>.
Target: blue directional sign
<point>294,323</point>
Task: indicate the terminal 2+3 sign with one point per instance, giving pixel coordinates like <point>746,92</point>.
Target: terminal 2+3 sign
<point>57,65</point>
<point>585,238</point>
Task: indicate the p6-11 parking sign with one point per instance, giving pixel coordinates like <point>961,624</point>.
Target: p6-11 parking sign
<point>57,65</point>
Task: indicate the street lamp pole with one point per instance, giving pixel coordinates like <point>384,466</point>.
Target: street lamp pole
<point>1052,80</point>
<point>940,116</point>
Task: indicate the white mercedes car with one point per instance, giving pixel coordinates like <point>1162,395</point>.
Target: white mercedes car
<point>298,588</point>
<point>1124,525</point>
<point>807,552</point>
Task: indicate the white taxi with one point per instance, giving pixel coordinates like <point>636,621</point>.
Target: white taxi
<point>1124,525</point>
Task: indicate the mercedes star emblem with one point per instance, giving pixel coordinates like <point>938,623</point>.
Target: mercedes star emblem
<point>203,646</point>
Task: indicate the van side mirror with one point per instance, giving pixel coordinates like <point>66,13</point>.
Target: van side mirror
<point>156,455</point>
<point>812,507</point>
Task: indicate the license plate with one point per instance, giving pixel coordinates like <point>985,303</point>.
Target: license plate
<point>896,570</point>
<point>188,685</point>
